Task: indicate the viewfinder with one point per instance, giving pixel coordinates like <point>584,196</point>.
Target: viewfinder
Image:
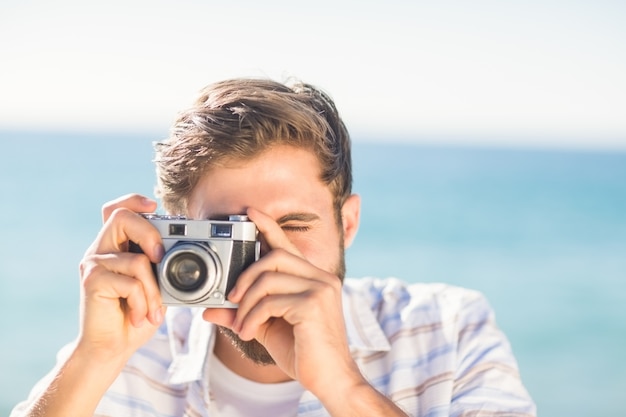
<point>178,229</point>
<point>221,230</point>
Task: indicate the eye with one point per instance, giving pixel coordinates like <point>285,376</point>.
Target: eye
<point>295,228</point>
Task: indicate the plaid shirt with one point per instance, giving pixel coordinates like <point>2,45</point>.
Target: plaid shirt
<point>433,349</point>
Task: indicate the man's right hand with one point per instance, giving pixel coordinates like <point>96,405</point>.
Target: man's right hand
<point>120,300</point>
<point>120,310</point>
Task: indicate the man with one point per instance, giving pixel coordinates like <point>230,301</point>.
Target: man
<point>302,341</point>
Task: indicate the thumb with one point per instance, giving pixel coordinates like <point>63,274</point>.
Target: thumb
<point>221,316</point>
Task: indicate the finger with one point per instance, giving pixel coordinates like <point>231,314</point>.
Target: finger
<point>274,283</point>
<point>137,266</point>
<point>285,306</point>
<point>110,287</point>
<point>124,225</point>
<point>220,316</point>
<point>279,260</point>
<point>133,202</point>
<point>273,234</point>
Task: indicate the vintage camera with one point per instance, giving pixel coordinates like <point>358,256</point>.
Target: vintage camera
<point>203,258</point>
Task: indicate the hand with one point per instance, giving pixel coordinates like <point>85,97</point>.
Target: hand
<point>120,300</point>
<point>294,309</point>
<point>118,294</point>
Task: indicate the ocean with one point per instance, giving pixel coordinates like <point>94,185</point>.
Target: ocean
<point>542,233</point>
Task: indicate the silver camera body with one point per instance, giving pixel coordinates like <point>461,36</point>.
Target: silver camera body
<point>203,258</point>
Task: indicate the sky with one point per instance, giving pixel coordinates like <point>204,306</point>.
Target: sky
<point>539,73</point>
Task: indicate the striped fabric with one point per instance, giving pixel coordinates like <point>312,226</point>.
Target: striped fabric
<point>433,349</point>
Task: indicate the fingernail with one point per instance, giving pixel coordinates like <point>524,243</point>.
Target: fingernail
<point>159,251</point>
<point>147,201</point>
<point>236,327</point>
<point>158,316</point>
<point>232,293</point>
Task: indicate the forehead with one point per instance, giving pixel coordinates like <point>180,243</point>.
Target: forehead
<point>280,180</point>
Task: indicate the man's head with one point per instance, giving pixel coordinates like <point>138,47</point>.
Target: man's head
<point>282,150</point>
<point>238,119</point>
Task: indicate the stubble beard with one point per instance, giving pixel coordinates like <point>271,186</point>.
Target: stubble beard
<point>254,350</point>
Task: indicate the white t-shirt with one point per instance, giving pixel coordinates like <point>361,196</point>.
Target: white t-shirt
<point>235,396</point>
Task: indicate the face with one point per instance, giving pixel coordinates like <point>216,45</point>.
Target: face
<point>284,183</point>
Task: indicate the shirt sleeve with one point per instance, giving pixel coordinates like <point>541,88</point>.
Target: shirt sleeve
<point>487,380</point>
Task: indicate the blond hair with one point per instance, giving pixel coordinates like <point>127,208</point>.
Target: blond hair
<point>240,118</point>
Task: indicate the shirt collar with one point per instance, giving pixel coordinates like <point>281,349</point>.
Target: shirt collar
<point>362,328</point>
<point>191,338</point>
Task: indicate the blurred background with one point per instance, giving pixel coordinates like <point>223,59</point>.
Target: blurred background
<point>489,149</point>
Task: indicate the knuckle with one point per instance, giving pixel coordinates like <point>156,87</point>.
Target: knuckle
<point>134,293</point>
<point>83,267</point>
<point>136,288</point>
<point>139,263</point>
<point>277,254</point>
<point>107,209</point>
<point>87,266</point>
<point>264,277</point>
<point>110,206</point>
<point>325,291</point>
<point>90,276</point>
<point>314,301</point>
<point>119,214</point>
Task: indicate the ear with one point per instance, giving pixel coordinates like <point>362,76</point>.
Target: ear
<point>350,217</point>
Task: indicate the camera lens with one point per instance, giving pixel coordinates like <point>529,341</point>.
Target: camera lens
<point>190,272</point>
<point>187,272</point>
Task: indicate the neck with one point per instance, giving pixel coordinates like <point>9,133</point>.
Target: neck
<point>243,366</point>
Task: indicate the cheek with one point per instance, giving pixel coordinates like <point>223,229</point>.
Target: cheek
<point>324,253</point>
